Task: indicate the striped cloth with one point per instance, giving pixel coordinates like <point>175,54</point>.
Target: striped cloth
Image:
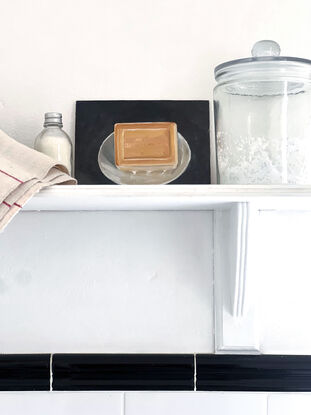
<point>23,172</point>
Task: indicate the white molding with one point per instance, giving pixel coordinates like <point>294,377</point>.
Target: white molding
<point>236,328</point>
<point>168,197</point>
<point>239,236</point>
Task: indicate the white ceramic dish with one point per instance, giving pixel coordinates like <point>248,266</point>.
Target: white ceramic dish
<point>107,165</point>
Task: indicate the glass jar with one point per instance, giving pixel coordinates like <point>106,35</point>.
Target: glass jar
<point>262,109</point>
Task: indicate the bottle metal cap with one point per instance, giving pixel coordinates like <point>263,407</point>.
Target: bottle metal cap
<point>53,118</point>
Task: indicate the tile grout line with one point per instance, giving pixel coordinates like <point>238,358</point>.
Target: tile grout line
<point>195,371</point>
<point>213,283</point>
<point>267,405</point>
<point>123,404</point>
<point>51,371</point>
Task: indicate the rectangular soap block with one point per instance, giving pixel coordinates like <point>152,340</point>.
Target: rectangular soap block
<point>146,146</point>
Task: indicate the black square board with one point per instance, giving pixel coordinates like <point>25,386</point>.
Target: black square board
<point>95,121</point>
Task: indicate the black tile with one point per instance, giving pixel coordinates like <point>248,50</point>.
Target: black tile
<point>24,372</point>
<point>123,372</point>
<point>271,373</point>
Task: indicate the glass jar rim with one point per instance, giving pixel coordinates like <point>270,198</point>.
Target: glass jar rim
<point>245,65</point>
<point>265,60</point>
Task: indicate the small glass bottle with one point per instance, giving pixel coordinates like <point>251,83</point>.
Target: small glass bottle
<point>54,142</point>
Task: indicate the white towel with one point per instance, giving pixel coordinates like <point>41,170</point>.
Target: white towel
<point>23,172</point>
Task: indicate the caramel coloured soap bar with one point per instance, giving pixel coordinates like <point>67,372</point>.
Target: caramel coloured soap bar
<point>146,146</point>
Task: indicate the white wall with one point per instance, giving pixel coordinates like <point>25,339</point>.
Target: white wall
<point>53,53</point>
<point>119,282</point>
<point>284,278</point>
<point>142,282</point>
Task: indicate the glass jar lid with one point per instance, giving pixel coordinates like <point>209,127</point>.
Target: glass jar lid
<point>265,63</point>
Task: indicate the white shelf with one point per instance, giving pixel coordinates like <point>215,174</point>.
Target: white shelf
<point>237,210</point>
<point>172,197</point>
<point>235,235</point>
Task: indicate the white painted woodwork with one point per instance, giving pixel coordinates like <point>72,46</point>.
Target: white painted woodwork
<point>236,328</point>
<point>169,197</point>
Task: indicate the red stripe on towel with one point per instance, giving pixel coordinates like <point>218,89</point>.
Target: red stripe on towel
<point>8,205</point>
<point>12,177</point>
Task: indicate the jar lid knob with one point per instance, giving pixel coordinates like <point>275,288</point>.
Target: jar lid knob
<point>266,48</point>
